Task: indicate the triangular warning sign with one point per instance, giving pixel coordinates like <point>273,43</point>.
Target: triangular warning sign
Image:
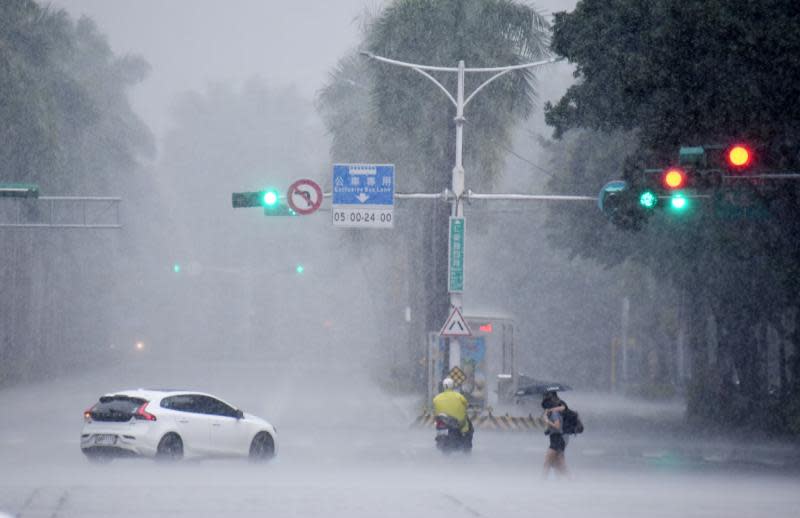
<point>455,325</point>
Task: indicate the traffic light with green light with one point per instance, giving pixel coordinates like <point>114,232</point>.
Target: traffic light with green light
<point>648,199</point>
<point>269,199</point>
<point>700,171</point>
<point>679,202</point>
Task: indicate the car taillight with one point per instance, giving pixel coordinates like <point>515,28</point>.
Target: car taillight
<point>141,413</point>
<point>440,424</point>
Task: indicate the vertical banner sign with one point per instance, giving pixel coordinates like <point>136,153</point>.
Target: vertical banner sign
<point>455,254</point>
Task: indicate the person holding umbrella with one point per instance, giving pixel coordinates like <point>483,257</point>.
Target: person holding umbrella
<point>554,458</point>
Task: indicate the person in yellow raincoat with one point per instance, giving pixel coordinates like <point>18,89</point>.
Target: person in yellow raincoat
<point>455,405</point>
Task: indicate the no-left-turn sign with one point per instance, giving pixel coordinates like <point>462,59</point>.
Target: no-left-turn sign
<point>304,196</point>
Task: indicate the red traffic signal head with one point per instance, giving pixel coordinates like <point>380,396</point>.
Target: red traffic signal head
<point>739,156</point>
<point>674,178</point>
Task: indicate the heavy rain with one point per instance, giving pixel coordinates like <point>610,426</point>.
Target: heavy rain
<point>243,245</point>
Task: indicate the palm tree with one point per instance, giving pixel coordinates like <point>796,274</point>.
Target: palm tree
<point>377,112</point>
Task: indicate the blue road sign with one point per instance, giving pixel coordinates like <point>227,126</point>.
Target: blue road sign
<point>363,185</point>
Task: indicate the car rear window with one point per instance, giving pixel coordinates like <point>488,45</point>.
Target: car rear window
<point>116,408</point>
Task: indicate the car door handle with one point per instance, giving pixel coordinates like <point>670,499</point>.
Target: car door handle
<point>183,421</point>
<point>215,424</point>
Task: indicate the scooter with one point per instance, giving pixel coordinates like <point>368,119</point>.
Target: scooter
<point>449,437</point>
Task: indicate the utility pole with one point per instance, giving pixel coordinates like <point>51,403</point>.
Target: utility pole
<point>457,180</point>
<point>626,309</point>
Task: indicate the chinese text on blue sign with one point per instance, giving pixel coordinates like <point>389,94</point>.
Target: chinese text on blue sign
<point>363,195</point>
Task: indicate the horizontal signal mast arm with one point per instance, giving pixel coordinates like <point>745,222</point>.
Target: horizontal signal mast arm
<point>444,195</point>
<point>447,195</point>
<point>788,175</point>
<point>524,197</point>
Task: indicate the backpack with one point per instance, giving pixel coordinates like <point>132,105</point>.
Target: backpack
<point>571,422</point>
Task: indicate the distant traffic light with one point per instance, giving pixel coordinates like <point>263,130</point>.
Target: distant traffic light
<point>299,269</point>
<point>269,199</point>
<point>674,178</point>
<point>679,202</point>
<point>701,173</point>
<point>648,199</point>
<point>717,158</point>
<point>176,268</point>
<point>274,205</point>
<point>247,199</point>
<point>739,156</point>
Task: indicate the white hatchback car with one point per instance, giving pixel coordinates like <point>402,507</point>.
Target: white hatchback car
<point>172,424</point>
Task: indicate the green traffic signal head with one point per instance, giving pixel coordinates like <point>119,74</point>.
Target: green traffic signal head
<point>648,199</point>
<point>679,202</point>
<point>299,269</point>
<point>176,268</point>
<point>270,198</point>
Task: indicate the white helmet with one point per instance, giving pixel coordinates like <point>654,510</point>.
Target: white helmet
<point>448,383</point>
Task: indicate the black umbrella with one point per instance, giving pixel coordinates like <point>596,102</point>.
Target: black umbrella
<point>541,388</point>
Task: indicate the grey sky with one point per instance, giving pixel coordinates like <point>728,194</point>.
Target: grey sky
<point>190,43</point>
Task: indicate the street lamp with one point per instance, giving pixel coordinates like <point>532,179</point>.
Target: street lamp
<point>457,180</point>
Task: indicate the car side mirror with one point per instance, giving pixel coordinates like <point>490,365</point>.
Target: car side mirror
<point>239,414</point>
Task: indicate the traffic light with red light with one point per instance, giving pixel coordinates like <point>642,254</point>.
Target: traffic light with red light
<point>674,178</point>
<point>739,156</point>
<point>700,172</point>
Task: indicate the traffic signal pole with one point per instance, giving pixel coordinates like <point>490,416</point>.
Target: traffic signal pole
<point>457,179</point>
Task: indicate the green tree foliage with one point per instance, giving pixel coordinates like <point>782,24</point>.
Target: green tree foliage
<point>66,125</point>
<point>30,78</point>
<point>682,71</point>
<point>690,73</point>
<point>382,113</point>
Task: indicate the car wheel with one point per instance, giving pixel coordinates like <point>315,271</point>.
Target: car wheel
<point>262,448</point>
<point>170,448</point>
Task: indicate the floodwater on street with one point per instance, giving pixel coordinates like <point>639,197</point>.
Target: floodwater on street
<point>346,450</point>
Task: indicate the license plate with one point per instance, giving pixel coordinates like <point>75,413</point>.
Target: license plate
<point>105,439</point>
<point>441,431</point>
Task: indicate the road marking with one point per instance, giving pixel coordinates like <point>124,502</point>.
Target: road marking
<point>60,504</point>
<point>464,506</point>
<point>28,501</point>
